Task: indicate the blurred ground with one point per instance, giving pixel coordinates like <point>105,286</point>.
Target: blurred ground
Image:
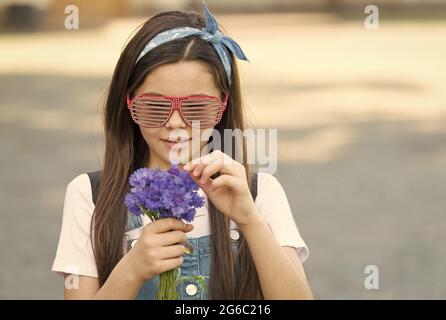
<point>362,143</point>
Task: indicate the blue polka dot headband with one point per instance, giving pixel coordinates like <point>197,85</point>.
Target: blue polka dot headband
<point>220,42</point>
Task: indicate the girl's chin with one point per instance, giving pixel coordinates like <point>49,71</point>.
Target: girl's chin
<point>180,158</point>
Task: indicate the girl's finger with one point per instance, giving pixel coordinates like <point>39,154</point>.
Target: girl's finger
<point>169,264</point>
<point>198,168</point>
<point>204,186</point>
<point>216,157</point>
<point>213,157</point>
<point>165,225</point>
<point>171,238</point>
<point>171,251</point>
<point>188,166</point>
<point>226,180</point>
<point>210,170</point>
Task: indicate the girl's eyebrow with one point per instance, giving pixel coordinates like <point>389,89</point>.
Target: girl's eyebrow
<point>159,94</point>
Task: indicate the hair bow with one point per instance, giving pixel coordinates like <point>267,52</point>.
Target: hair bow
<point>209,33</point>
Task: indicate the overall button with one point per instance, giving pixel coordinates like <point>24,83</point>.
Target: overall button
<point>133,243</point>
<point>188,248</point>
<point>234,234</point>
<point>191,289</point>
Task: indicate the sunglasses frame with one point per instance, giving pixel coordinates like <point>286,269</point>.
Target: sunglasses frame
<point>176,104</point>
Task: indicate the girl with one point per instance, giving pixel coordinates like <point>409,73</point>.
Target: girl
<point>247,248</point>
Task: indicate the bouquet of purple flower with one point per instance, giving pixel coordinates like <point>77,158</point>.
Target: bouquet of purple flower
<point>163,194</point>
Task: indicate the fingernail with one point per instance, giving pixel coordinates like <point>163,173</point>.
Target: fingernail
<point>187,167</point>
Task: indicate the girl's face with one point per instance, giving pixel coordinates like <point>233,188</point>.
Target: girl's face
<point>177,79</point>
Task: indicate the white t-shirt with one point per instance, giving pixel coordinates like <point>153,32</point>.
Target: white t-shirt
<point>75,254</point>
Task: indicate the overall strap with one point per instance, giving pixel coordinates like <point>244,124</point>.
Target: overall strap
<point>95,180</point>
<point>254,185</point>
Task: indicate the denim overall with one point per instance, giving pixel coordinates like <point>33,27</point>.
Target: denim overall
<point>198,262</point>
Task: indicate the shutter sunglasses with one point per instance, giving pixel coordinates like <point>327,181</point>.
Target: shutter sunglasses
<point>201,111</point>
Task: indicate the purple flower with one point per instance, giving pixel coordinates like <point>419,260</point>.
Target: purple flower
<point>140,179</point>
<point>132,203</point>
<point>171,193</point>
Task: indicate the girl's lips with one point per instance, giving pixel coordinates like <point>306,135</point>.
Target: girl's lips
<point>170,144</point>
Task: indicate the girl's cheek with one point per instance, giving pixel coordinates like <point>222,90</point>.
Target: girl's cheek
<point>150,135</point>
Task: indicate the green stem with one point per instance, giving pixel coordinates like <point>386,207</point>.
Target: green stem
<point>167,285</point>
<point>147,213</point>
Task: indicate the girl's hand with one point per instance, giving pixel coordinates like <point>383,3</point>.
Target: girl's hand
<point>159,248</point>
<point>229,192</point>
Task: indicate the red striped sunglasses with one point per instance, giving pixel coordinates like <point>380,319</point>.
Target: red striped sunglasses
<point>201,111</point>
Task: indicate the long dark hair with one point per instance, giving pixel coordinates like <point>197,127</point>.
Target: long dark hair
<point>126,151</point>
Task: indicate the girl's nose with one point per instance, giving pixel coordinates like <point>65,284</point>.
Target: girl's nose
<point>176,120</point>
